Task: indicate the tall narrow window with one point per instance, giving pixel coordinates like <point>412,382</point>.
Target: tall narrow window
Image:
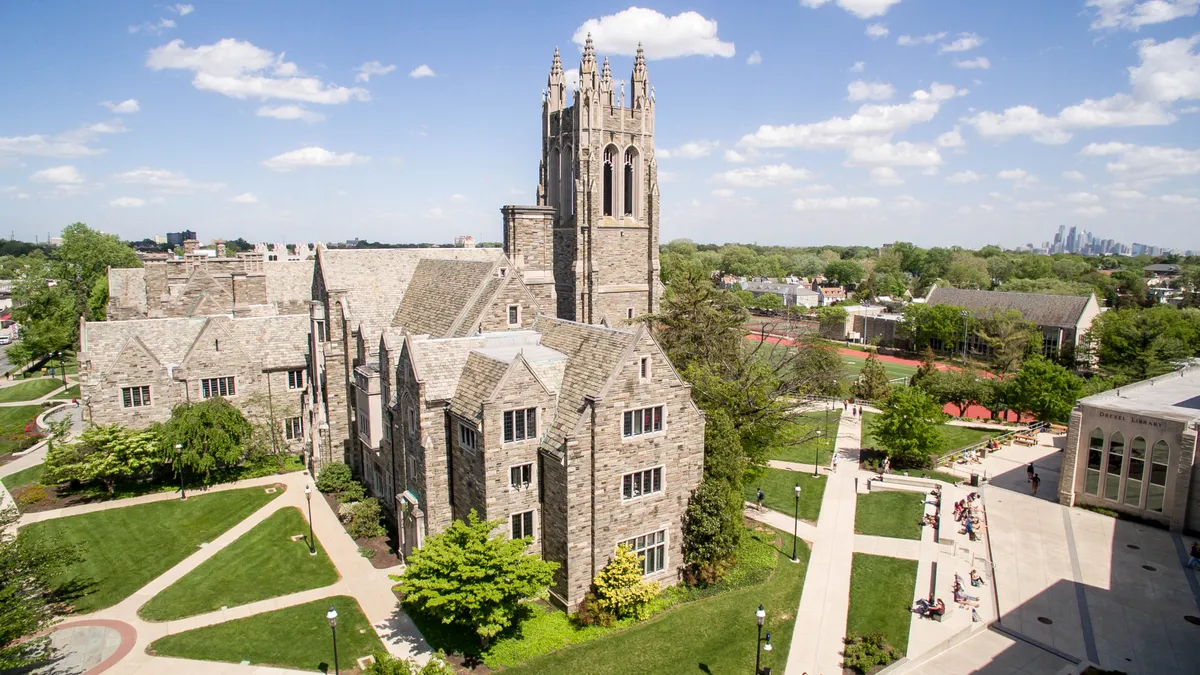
<point>627,181</point>
<point>566,191</point>
<point>1095,460</point>
<point>610,158</point>
<point>552,178</point>
<point>1137,466</point>
<point>1112,477</point>
<point>1158,476</point>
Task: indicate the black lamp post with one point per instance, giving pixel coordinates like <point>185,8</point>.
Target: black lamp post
<point>817,447</point>
<point>331,616</point>
<point>179,466</point>
<point>796,525</point>
<point>761,617</point>
<point>312,541</point>
<point>62,366</point>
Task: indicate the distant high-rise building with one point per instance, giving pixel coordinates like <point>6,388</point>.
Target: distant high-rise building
<point>1072,243</point>
<point>177,238</point>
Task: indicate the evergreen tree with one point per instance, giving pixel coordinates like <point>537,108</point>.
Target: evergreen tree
<point>872,382</point>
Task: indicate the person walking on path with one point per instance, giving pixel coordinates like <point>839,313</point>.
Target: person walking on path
<point>835,458</point>
<point>1029,473</point>
<point>761,497</point>
<point>887,464</point>
<point>1194,556</point>
<point>1035,482</point>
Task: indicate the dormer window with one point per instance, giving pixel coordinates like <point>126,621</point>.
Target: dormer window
<point>514,315</point>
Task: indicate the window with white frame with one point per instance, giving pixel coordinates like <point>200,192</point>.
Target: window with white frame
<point>135,397</point>
<point>522,525</point>
<point>217,386</point>
<point>514,315</point>
<point>643,421</point>
<point>641,483</point>
<point>651,550</point>
<point>293,428</point>
<point>467,437</point>
<point>520,476</point>
<point>520,425</point>
<point>644,369</point>
<point>296,379</point>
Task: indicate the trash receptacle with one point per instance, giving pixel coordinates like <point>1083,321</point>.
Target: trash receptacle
<point>974,479</point>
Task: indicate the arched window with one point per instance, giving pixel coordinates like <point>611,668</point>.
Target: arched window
<point>1158,476</point>
<point>1091,483</point>
<point>1137,467</point>
<point>552,178</point>
<point>1116,456</point>
<point>566,190</point>
<point>610,188</point>
<point>629,182</point>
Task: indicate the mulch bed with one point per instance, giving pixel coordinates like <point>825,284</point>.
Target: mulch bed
<point>382,546</point>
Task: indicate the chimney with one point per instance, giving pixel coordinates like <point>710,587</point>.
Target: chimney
<point>220,248</point>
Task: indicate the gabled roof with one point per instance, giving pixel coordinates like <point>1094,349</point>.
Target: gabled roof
<point>1061,311</point>
<point>374,281</point>
<point>441,293</point>
<point>480,376</point>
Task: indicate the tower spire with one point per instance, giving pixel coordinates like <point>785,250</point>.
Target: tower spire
<point>556,84</point>
<point>587,67</point>
<point>639,81</point>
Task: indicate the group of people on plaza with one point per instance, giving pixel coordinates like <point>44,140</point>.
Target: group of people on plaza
<point>967,512</point>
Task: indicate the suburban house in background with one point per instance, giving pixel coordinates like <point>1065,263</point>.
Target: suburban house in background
<point>792,295</point>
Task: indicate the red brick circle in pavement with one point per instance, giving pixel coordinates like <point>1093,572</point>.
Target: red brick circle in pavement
<point>128,638</point>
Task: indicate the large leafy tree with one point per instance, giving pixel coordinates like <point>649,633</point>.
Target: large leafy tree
<point>212,432</point>
<point>960,388</point>
<point>29,599</point>
<point>1008,335</point>
<point>107,455</point>
<point>923,324</point>
<point>908,428</point>
<point>845,272</point>
<point>873,380</point>
<point>1144,343</point>
<point>466,577</point>
<point>1044,389</point>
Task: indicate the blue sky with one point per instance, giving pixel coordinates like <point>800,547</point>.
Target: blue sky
<point>804,123</point>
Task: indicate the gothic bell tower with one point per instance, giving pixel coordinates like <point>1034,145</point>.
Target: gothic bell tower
<point>598,199</point>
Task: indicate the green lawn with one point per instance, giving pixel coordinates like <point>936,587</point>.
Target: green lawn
<point>713,635</point>
<point>293,637</point>
<point>24,477</point>
<point>13,420</point>
<point>890,514</point>
<point>787,448</point>
<point>124,548</point>
<point>881,595</point>
<point>779,486</point>
<point>71,392</point>
<point>281,566</point>
<point>854,365</point>
<point>28,391</point>
<point>953,436</point>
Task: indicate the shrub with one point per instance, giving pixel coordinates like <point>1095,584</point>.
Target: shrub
<point>334,477</point>
<point>32,495</point>
<point>589,614</point>
<point>619,587</point>
<point>864,652</point>
<point>365,552</point>
<point>711,531</point>
<point>386,664</point>
<point>364,519</point>
<point>354,492</point>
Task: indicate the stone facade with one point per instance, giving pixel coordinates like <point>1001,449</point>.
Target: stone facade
<point>594,231</point>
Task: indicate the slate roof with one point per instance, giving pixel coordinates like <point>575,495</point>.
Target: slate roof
<point>128,284</point>
<point>375,280</point>
<point>289,281</point>
<point>1060,311</point>
<point>480,375</point>
<point>439,363</point>
<point>441,293</point>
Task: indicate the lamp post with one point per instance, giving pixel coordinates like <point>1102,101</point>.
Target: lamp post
<point>62,367</point>
<point>760,617</point>
<point>331,617</point>
<point>179,466</point>
<point>312,541</point>
<point>817,449</point>
<point>964,316</point>
<point>796,525</point>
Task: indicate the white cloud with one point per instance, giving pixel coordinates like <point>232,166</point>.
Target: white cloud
<point>245,198</point>
<point>835,203</point>
<point>181,9</point>
<point>1146,161</point>
<point>421,71</point>
<point>1017,176</point>
<point>1081,198</point>
<point>906,202</point>
<point>74,143</point>
<point>458,198</point>
<point>914,40</point>
<point>241,70</point>
<point>1168,72</point>
<point>863,9</point>
<point>876,30</point>
<point>58,175</point>
<point>951,139</point>
<point>860,90</point>
<point>894,154</point>
<point>754,59</point>
<point>762,176</point>
<point>165,181</point>
<point>123,108</point>
<point>978,63</point>
<point>724,193</point>
<point>858,66</point>
<point>1133,14</point>
<point>1090,211</point>
<point>1074,175</point>
<point>885,175</point>
<point>1035,205</point>
<point>366,70</point>
<point>1127,194</point>
<point>662,37</point>
<point>152,27</point>
<point>311,157</point>
<point>734,156</point>
<point>1180,200</point>
<point>964,42</point>
<point>963,177</point>
<point>689,150</point>
<point>571,75</point>
<point>290,112</point>
<point>128,202</point>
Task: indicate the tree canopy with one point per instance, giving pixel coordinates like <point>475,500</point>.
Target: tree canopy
<point>212,434</point>
<point>909,427</point>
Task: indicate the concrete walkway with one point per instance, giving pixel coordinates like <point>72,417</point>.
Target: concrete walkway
<point>359,579</point>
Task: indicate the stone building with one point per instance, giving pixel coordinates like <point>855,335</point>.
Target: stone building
<point>134,372</point>
<point>589,249</point>
<point>1133,450</point>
